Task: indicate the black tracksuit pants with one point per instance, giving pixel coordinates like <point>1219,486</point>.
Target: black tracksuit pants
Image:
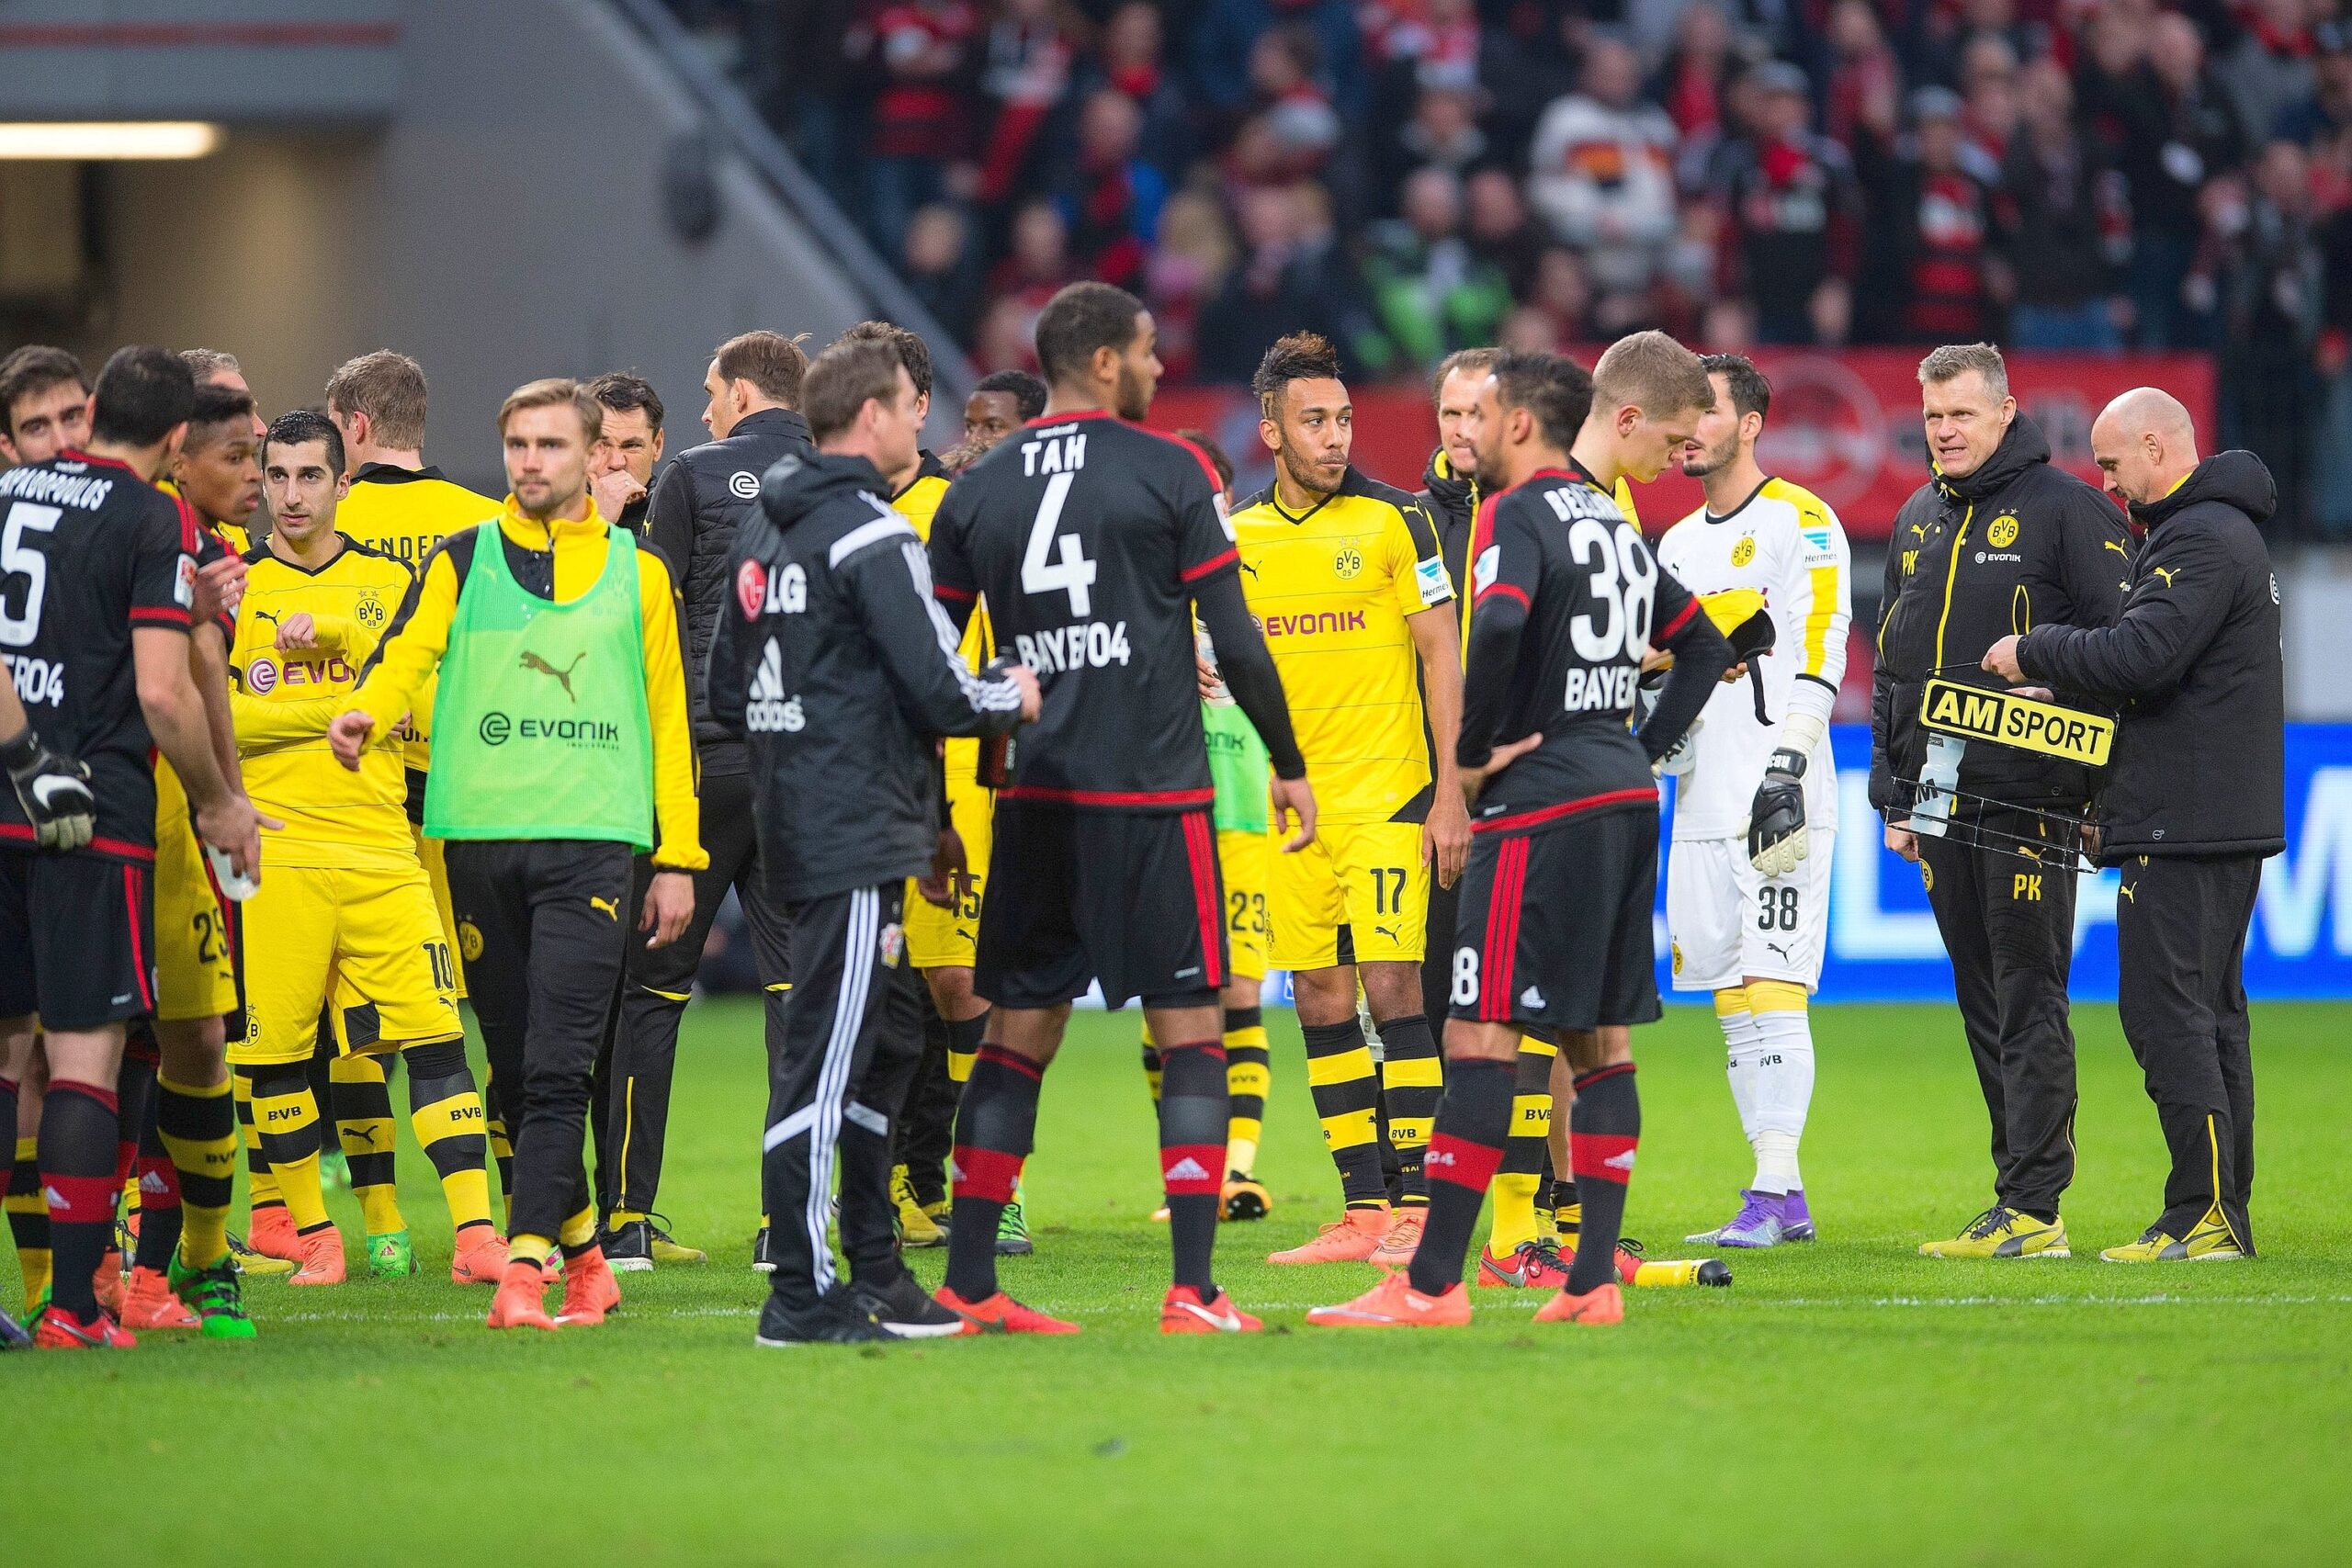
<point>543,923</point>
<point>851,1041</point>
<point>2008,925</point>
<point>634,1108</point>
<point>2180,929</point>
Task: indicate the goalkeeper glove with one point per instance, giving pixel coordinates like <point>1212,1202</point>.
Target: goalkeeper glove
<point>55,792</point>
<point>1776,835</point>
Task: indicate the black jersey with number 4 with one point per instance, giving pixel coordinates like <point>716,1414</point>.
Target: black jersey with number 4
<point>1568,600</point>
<point>88,553</point>
<point>1089,538</point>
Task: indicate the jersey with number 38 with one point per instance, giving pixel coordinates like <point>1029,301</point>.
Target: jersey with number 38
<point>1088,537</point>
<point>1595,601</point>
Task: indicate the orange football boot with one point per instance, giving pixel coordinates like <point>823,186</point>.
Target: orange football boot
<point>321,1256</point>
<point>1602,1303</point>
<point>1183,1312</point>
<point>1000,1314</point>
<point>589,1291</point>
<point>1394,1303</point>
<point>519,1303</point>
<point>1353,1237</point>
<point>148,1302</point>
<point>481,1257</point>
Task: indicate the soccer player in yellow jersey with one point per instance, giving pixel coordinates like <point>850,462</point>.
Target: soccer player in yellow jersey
<point>344,908</point>
<point>1344,576</point>
<point>403,506</point>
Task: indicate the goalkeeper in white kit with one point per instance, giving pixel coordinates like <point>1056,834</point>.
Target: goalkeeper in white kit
<point>1755,796</point>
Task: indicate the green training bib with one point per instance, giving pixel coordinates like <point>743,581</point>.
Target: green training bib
<point>1238,767</point>
<point>539,728</point>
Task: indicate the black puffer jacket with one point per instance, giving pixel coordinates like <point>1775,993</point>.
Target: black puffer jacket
<point>2015,545</point>
<point>2199,765</point>
<point>700,497</point>
<point>1451,502</point>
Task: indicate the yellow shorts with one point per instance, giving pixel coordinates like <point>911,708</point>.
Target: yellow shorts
<point>944,938</point>
<point>437,871</point>
<point>1358,894</point>
<point>368,937</point>
<point>1241,862</point>
<point>195,968</point>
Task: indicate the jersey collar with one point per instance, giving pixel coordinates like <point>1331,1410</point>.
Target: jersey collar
<point>74,455</point>
<point>393,474</point>
<point>1744,505</point>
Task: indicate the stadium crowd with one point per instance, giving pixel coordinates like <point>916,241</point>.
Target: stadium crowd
<point>1414,177</point>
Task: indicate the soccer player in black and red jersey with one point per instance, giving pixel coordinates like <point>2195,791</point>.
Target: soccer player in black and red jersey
<point>1095,542</point>
<point>1553,933</point>
<point>96,606</point>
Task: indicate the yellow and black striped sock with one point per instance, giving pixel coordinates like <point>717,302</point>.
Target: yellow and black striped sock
<point>578,1234</point>
<point>286,1114</point>
<point>1249,1078</point>
<point>198,1124</point>
<point>1153,1066</point>
<point>502,1147</point>
<point>261,1183</point>
<point>363,1120</point>
<point>1520,1178</point>
<point>446,1114</point>
<point>1339,1079</point>
<point>1412,1082</point>
<point>964,1037</point>
<point>28,1220</point>
<point>532,1250</point>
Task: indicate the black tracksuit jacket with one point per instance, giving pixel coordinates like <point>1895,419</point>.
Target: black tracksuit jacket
<point>2198,762</point>
<point>2015,545</point>
<point>835,666</point>
<point>700,497</point>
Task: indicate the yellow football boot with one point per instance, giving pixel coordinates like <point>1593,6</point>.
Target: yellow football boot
<point>916,1228</point>
<point>2210,1240</point>
<point>2003,1232</point>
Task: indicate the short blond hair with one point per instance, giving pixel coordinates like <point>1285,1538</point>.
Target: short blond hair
<point>550,391</point>
<point>1653,373</point>
<point>389,388</point>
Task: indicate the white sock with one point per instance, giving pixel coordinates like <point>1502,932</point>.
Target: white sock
<point>1783,1092</point>
<point>1741,1044</point>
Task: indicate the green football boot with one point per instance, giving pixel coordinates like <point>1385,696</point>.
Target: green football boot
<point>1012,1232</point>
<point>390,1257</point>
<point>217,1297</point>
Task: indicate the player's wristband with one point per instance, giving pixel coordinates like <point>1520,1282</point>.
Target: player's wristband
<point>19,754</point>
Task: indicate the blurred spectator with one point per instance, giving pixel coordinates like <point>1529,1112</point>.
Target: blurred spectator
<point>921,115</point>
<point>1989,83</point>
<point>1794,206</point>
<point>1529,329</point>
<point>1194,252</point>
<point>1110,198</point>
<point>1025,73</point>
<point>1689,82</point>
<point>2273,309</point>
<point>2171,130</point>
<point>1271,291</point>
<point>1006,337</point>
<point>1225,42</point>
<point>1603,165</point>
<point>2324,117</point>
<point>1562,295</point>
<point>2268,70</point>
<point>1429,293</point>
<point>1865,90</point>
<point>1443,130</point>
<point>1038,262</point>
<point>1131,47</point>
<point>2065,224</point>
<point>1930,275</point>
<point>1291,99</point>
<point>1498,229</point>
<point>943,267</point>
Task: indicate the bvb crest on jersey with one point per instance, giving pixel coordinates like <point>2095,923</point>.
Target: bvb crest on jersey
<point>2003,533</point>
<point>1744,551</point>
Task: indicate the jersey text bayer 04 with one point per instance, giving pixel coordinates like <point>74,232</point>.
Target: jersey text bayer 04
<point>1595,602</point>
<point>1087,536</point>
<point>89,552</point>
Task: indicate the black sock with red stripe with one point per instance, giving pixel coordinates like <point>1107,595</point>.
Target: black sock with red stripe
<point>159,1192</point>
<point>78,1127</point>
<point>1473,1123</point>
<point>1193,1108</point>
<point>1604,1130</point>
<point>996,1125</point>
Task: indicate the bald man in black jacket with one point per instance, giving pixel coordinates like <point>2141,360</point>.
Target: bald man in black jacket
<point>2192,801</point>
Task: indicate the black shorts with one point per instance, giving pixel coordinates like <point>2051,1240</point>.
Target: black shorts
<point>1128,898</point>
<point>77,938</point>
<point>1555,927</point>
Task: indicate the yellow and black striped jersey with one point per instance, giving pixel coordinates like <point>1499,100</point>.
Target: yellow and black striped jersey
<point>1331,588</point>
<point>284,700</point>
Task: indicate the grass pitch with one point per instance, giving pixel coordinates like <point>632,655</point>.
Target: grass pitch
<point>1843,1402</point>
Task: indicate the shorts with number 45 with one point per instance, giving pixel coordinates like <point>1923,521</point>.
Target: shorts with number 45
<point>1554,928</point>
<point>1358,894</point>
<point>1730,922</point>
<point>369,937</point>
